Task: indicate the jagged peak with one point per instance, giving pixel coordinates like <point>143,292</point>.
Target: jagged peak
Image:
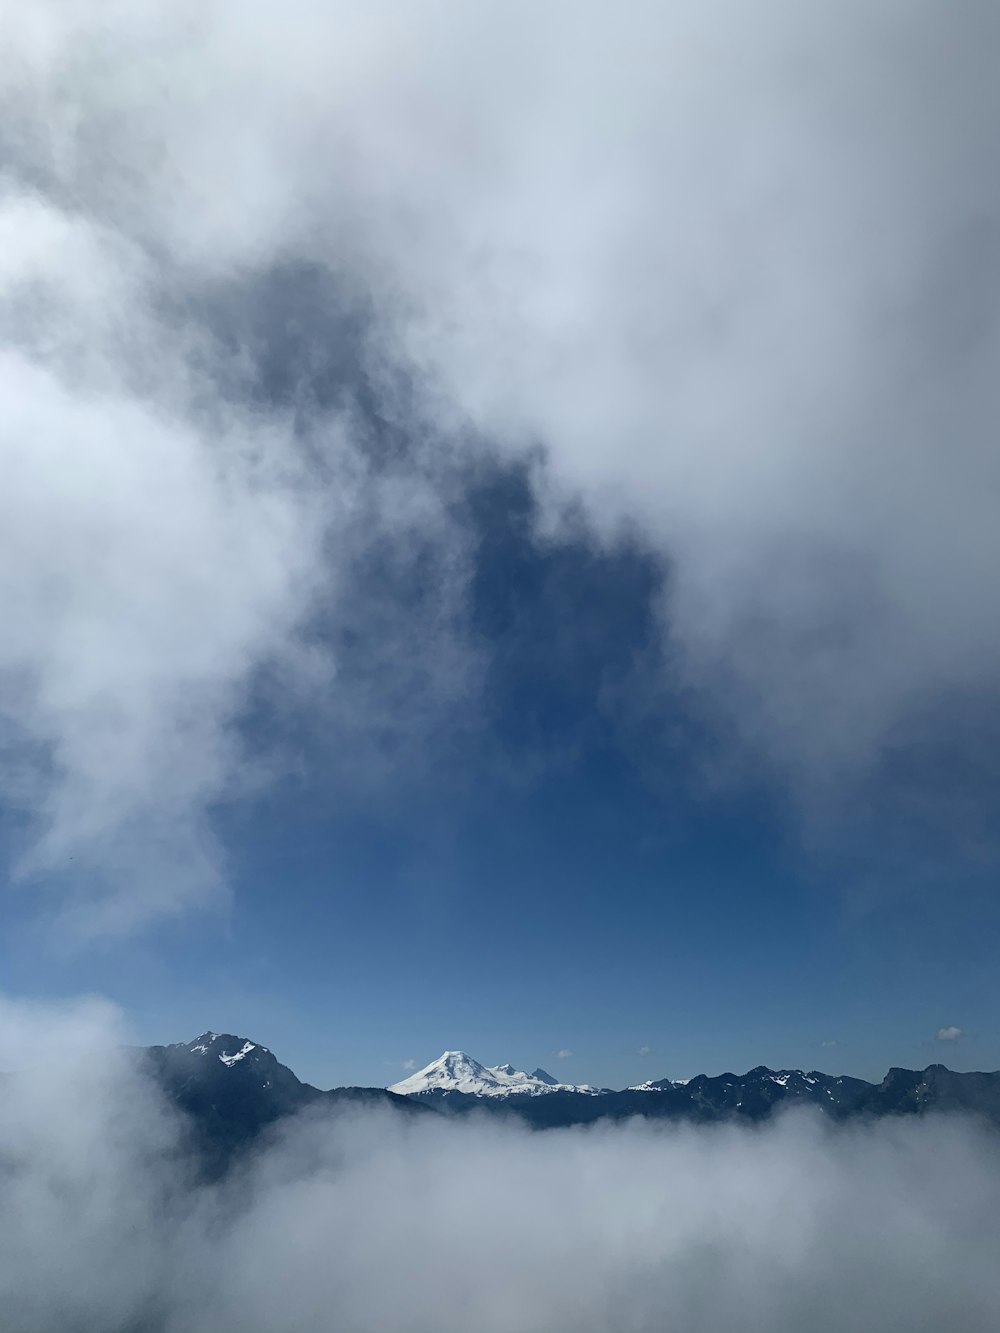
<point>543,1076</point>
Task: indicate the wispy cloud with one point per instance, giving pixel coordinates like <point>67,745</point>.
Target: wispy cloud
<point>949,1034</point>
<point>644,1050</point>
<point>562,1054</point>
<point>636,292</point>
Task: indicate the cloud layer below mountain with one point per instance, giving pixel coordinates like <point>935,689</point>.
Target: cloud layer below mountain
<point>374,1223</point>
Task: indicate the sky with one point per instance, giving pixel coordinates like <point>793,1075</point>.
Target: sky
<point>499,531</point>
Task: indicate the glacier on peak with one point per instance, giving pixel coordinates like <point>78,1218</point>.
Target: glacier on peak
<point>454,1071</point>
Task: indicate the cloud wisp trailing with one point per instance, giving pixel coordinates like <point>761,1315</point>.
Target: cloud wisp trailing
<point>376,1222</point>
<point>744,299</point>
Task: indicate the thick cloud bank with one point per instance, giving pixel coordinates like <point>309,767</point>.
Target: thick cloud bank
<point>734,271</point>
<point>374,1223</point>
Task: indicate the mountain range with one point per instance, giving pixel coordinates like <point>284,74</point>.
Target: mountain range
<point>231,1090</point>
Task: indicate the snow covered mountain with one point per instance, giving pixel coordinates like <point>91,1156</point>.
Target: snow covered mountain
<point>454,1071</point>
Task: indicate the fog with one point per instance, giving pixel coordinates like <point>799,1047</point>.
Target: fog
<point>374,1222</point>
<point>733,274</point>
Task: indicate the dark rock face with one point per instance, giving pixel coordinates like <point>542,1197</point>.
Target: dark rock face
<point>911,1091</point>
<point>231,1091</point>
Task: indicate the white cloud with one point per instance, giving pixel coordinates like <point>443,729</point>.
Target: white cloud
<point>164,536</point>
<point>830,1042</point>
<point>562,1054</point>
<point>408,1064</point>
<point>949,1034</point>
<point>744,295</point>
<point>149,572</point>
<point>644,1050</point>
<point>43,1036</point>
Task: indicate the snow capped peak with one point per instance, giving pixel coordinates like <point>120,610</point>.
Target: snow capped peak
<point>457,1060</point>
<point>454,1071</point>
<point>457,1064</point>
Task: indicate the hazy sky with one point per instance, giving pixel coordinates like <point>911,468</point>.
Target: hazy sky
<point>499,529</point>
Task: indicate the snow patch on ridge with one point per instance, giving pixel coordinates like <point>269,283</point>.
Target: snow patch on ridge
<point>244,1050</point>
<point>227,1048</point>
<point>659,1084</point>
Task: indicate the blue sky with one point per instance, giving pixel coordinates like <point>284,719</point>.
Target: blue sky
<point>560,880</point>
<point>527,589</point>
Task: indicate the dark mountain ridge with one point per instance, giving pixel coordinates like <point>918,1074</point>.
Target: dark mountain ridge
<point>755,1096</point>
<point>231,1091</point>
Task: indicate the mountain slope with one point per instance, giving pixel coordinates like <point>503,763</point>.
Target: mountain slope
<point>230,1090</point>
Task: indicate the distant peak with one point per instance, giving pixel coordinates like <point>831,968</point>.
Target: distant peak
<point>457,1072</point>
